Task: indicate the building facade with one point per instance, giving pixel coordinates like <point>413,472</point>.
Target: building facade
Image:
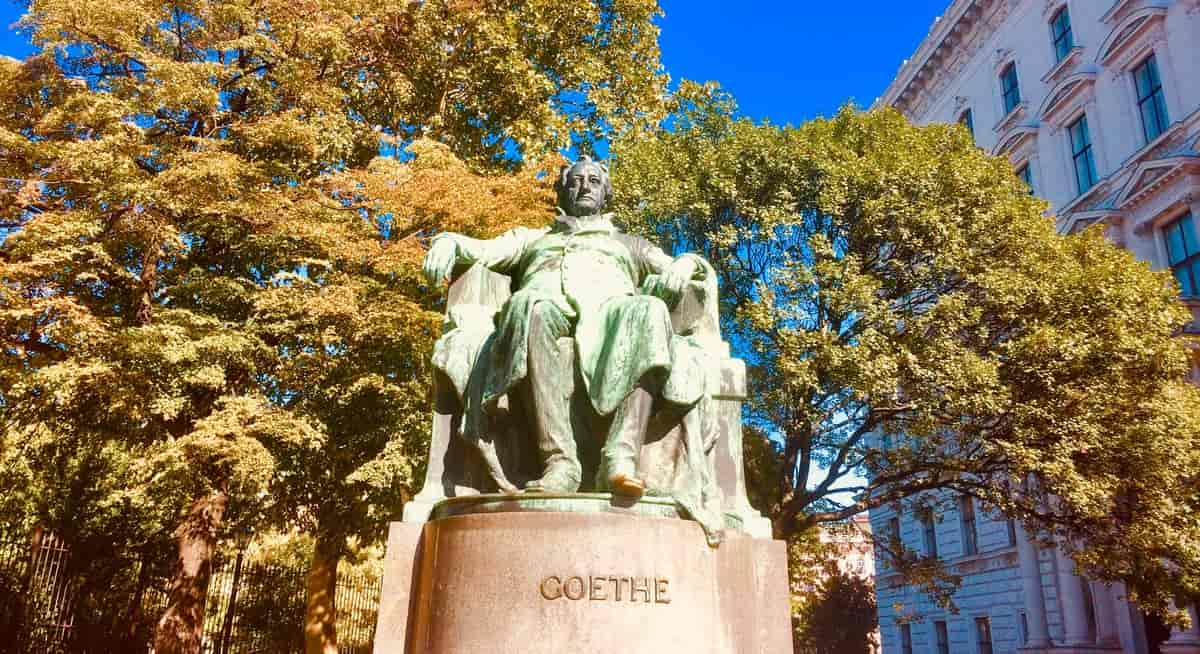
<point>1097,105</point>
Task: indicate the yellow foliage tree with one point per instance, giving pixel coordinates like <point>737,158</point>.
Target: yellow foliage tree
<point>212,217</point>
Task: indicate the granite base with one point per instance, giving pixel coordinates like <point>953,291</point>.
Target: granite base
<point>549,582</point>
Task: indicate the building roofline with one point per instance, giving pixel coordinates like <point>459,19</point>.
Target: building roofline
<point>943,26</point>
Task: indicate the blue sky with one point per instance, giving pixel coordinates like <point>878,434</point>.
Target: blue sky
<point>787,60</point>
<point>791,60</point>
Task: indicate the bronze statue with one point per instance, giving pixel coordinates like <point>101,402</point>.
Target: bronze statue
<point>580,278</point>
<point>580,357</point>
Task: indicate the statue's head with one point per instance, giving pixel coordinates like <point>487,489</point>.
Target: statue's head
<point>583,187</point>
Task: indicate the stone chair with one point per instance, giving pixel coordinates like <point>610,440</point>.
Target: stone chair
<point>458,468</point>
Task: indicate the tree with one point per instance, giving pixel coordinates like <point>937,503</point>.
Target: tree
<point>210,304</point>
<point>915,325</point>
<point>840,617</point>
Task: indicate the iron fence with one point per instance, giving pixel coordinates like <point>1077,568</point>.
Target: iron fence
<point>251,607</point>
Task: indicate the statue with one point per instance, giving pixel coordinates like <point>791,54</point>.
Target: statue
<point>577,356</point>
<point>586,445</point>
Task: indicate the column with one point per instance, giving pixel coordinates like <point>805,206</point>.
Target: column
<point>1184,641</point>
<point>1106,616</point>
<point>1031,590</point>
<point>1070,596</point>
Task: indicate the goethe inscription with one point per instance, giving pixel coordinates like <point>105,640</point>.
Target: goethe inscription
<point>646,590</point>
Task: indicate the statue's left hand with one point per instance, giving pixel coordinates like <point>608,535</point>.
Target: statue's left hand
<point>674,279</point>
<point>441,259</point>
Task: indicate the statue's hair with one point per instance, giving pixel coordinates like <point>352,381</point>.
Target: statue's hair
<point>560,186</point>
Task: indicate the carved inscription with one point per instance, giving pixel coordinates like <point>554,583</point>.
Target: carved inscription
<point>644,590</point>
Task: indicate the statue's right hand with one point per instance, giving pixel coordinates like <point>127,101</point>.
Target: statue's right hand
<point>441,259</point>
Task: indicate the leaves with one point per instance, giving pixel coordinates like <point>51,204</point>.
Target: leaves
<point>212,216</point>
<point>914,324</point>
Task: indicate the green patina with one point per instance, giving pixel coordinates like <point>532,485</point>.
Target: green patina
<point>636,354</point>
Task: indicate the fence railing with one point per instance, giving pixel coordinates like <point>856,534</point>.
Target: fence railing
<point>34,574</point>
<point>251,607</point>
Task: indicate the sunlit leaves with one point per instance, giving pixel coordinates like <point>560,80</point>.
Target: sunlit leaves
<point>212,216</point>
<point>914,323</point>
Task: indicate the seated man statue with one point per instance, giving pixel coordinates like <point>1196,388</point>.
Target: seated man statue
<point>582,278</point>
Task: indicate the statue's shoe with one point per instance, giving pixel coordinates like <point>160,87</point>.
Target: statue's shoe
<point>556,480</point>
<point>627,485</point>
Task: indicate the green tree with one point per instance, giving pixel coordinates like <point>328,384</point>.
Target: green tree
<point>210,302</point>
<point>915,324</point>
<point>840,617</point>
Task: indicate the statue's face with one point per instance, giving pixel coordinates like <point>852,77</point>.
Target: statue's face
<point>584,190</point>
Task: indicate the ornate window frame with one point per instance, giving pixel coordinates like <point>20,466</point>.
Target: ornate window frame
<point>1157,228</point>
<point>1065,99</point>
<point>1009,117</point>
<point>1050,16</point>
<point>1140,34</point>
<point>1161,248</point>
<point>1020,145</point>
<point>1159,191</point>
<point>1064,118</point>
<point>977,641</point>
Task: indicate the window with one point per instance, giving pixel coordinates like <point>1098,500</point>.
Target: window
<point>1011,527</point>
<point>967,119</point>
<point>1060,30</point>
<point>1010,89</point>
<point>1151,104</point>
<point>906,639</point>
<point>1089,603</point>
<point>929,531</point>
<point>983,635</point>
<point>966,512</point>
<point>1025,174</point>
<point>1024,635</point>
<point>1081,155</point>
<point>890,537</point>
<point>1183,254</point>
<point>943,637</point>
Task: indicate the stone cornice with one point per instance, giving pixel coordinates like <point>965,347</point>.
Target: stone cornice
<point>1136,32</point>
<point>1081,220</point>
<point>1174,194</point>
<point>1142,177</point>
<point>1088,200</point>
<point>1122,8</point>
<point>1150,177</point>
<point>1051,8</point>
<point>1064,68</point>
<point>1012,118</point>
<point>996,559</point>
<point>1012,142</point>
<point>1065,97</point>
<point>954,38</point>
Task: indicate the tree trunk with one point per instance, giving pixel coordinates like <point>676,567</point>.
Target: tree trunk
<point>181,627</point>
<point>320,615</point>
<point>149,277</point>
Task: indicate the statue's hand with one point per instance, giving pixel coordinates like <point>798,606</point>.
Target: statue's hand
<point>674,280</point>
<point>441,259</point>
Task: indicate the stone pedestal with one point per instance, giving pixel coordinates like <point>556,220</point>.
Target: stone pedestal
<point>546,574</point>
